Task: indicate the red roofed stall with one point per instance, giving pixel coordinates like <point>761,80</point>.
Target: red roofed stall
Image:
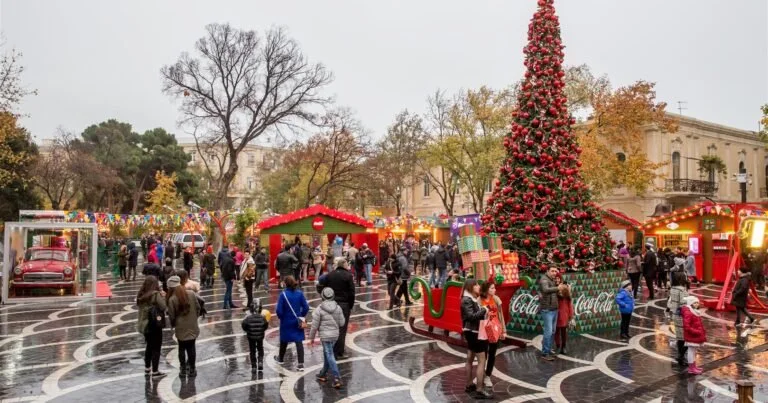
<point>313,221</point>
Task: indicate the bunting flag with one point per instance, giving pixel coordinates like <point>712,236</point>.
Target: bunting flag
<point>139,220</point>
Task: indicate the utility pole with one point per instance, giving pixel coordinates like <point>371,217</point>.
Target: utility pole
<point>681,106</point>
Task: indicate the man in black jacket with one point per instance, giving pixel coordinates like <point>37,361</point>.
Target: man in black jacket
<point>405,276</point>
<point>133,260</point>
<point>340,280</point>
<point>650,264</point>
<point>228,275</point>
<point>441,264</point>
<point>285,262</point>
<point>152,269</point>
<point>393,270</point>
<point>262,269</point>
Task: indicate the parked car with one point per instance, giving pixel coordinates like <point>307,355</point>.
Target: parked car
<point>45,267</point>
<point>186,240</point>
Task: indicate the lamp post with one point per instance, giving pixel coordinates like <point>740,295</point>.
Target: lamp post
<point>742,178</point>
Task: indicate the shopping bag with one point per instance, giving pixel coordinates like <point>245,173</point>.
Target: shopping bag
<point>482,333</point>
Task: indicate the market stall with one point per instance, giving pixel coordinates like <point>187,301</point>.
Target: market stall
<point>432,229</point>
<point>317,225</point>
<point>622,227</point>
<point>705,229</point>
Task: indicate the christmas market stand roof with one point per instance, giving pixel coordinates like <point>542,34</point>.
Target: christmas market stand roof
<point>346,221</point>
<point>706,208</point>
<point>621,218</point>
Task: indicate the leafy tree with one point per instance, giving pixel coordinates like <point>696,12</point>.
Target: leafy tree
<point>17,156</point>
<point>392,168</point>
<point>239,86</point>
<point>243,222</point>
<point>473,151</point>
<point>164,195</point>
<point>617,125</point>
<point>428,160</point>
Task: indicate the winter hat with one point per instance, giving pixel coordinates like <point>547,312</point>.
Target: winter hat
<point>173,281</point>
<point>328,294</point>
<point>690,300</point>
<point>625,284</point>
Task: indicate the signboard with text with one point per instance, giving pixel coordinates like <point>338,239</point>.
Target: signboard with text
<point>593,296</point>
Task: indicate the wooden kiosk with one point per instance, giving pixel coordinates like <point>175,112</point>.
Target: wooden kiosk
<point>320,221</point>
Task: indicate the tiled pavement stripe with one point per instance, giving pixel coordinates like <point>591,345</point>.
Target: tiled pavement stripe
<point>418,387</point>
<point>226,388</point>
<point>371,393</point>
<point>654,386</point>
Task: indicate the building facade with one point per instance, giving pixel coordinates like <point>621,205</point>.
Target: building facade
<point>682,182</point>
<point>253,162</point>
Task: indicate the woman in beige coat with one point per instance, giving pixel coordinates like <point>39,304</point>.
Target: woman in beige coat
<point>183,311</point>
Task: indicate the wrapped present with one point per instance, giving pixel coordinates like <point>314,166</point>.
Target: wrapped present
<point>494,243</point>
<point>485,242</point>
<point>467,230</point>
<point>479,256</point>
<point>496,257</point>
<point>470,243</point>
<point>482,270</point>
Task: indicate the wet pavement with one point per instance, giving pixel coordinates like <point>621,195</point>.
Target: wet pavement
<point>89,351</point>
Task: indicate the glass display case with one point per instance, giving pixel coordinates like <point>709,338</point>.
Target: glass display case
<point>47,259</point>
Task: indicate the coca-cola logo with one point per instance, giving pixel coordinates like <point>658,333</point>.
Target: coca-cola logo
<point>529,304</point>
<point>602,303</point>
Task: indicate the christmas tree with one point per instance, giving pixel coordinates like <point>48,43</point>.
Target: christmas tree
<point>540,204</point>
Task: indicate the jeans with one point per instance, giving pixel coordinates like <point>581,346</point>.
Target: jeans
<point>443,276</point>
<point>338,348</point>
<point>329,360</point>
<point>228,295</point>
<point>152,351</point>
<point>739,312</point>
<point>255,346</point>
<point>625,319</point>
<point>550,320</point>
<point>634,278</point>
<point>299,351</point>
<point>187,354</point>
<point>132,271</point>
<point>248,284</point>
<point>368,271</point>
<point>433,278</point>
<point>261,276</point>
<point>403,290</point>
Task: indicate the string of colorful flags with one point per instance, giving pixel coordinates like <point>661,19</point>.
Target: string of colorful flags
<point>138,220</point>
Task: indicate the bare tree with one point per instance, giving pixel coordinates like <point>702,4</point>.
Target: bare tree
<point>11,89</point>
<point>438,127</point>
<point>239,86</point>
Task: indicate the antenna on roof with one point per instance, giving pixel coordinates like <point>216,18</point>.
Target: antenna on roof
<point>681,106</point>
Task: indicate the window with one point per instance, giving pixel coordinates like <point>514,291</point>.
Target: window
<point>211,156</point>
<point>675,165</point>
<point>251,160</point>
<point>742,169</point>
<point>621,157</point>
<point>250,183</point>
<point>192,157</point>
<point>427,186</point>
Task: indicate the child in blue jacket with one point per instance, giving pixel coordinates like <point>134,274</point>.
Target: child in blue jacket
<point>626,305</point>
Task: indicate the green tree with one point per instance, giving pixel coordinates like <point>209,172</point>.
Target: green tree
<point>164,196</point>
<point>243,222</point>
<point>17,158</point>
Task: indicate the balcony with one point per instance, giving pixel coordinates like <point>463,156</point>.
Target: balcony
<point>690,186</point>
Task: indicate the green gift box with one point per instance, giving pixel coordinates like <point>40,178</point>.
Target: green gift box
<point>470,243</point>
<point>467,230</point>
<point>482,270</point>
<point>494,243</point>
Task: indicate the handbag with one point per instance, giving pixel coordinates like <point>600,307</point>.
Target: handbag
<point>302,321</point>
<point>493,329</point>
<point>482,333</point>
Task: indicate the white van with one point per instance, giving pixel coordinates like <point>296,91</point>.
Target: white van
<point>187,239</point>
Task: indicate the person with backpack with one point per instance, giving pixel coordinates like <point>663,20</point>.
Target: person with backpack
<point>405,276</point>
<point>495,327</point>
<point>183,310</point>
<point>340,280</point>
<point>292,309</point>
<point>151,302</point>
<point>326,320</point>
<point>133,261</point>
<point>392,268</point>
<point>255,327</point>
<point>368,261</point>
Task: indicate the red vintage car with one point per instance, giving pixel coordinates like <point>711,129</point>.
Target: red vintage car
<point>45,267</point>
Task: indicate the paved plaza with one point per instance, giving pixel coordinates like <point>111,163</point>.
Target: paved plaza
<point>89,351</point>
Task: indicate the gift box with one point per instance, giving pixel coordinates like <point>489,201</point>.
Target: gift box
<point>470,243</point>
<point>496,257</point>
<point>494,243</point>
<point>467,230</point>
<point>482,270</point>
<point>468,258</point>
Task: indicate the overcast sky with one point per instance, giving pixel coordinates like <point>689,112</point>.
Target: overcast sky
<point>92,60</point>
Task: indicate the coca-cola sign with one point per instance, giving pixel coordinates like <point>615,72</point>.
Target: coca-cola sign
<point>592,295</point>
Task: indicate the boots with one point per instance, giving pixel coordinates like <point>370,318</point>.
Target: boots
<point>681,349</point>
<point>694,369</point>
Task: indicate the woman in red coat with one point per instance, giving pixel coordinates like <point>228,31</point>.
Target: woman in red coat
<point>694,333</point>
<point>564,316</point>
